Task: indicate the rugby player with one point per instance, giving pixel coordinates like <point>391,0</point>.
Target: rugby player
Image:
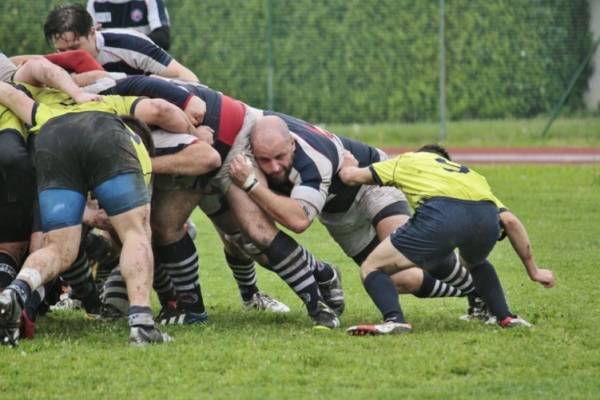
<point>63,182</point>
<point>241,223</point>
<point>70,27</point>
<point>300,162</point>
<point>455,208</point>
<point>149,17</point>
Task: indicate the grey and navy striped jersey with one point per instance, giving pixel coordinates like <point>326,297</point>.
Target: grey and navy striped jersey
<point>120,50</point>
<point>317,160</point>
<point>142,15</point>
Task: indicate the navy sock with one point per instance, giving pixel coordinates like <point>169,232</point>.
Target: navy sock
<point>382,291</point>
<point>22,289</point>
<point>489,288</point>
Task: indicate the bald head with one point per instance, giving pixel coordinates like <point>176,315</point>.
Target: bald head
<point>270,131</point>
<point>273,147</point>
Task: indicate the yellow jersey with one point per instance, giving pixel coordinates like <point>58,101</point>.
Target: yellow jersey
<point>50,103</point>
<point>9,121</point>
<point>423,175</point>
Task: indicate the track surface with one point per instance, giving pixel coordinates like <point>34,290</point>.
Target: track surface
<point>524,155</point>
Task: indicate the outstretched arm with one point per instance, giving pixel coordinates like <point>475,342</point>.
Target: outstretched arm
<point>195,159</point>
<point>351,174</point>
<point>517,234</point>
<point>39,71</point>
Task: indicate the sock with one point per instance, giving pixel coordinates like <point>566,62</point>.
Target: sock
<point>180,260</point>
<point>489,288</point>
<point>432,287</point>
<point>115,291</point>
<point>34,302</point>
<point>8,270</point>
<point>322,271</point>
<point>22,289</point>
<point>383,292</point>
<point>288,260</point>
<point>79,278</point>
<point>244,274</point>
<point>140,316</point>
<point>163,286</point>
<point>454,274</point>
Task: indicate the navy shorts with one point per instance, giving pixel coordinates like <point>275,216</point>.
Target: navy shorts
<point>442,224</point>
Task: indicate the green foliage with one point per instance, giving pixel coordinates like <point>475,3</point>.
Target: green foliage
<point>368,60</point>
<point>242,355</point>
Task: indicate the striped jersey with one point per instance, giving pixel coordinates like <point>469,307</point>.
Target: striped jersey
<point>132,53</point>
<point>317,159</point>
<point>142,15</point>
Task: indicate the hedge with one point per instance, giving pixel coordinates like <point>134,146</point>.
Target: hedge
<point>367,60</point>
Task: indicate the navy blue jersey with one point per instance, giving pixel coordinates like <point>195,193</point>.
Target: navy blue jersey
<point>223,114</point>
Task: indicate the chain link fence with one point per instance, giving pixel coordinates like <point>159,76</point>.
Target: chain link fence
<point>366,61</point>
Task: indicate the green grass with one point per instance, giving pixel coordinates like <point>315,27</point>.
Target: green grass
<point>573,131</point>
<point>249,355</point>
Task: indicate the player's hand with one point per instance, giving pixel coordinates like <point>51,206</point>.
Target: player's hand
<point>204,133</point>
<point>84,97</point>
<point>195,109</point>
<point>349,160</point>
<point>241,170</point>
<point>545,277</point>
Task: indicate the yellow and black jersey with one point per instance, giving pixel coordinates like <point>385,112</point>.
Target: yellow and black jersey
<point>50,103</point>
<point>422,176</point>
<point>10,122</point>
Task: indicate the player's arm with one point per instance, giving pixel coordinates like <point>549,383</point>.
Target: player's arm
<point>351,174</point>
<point>176,70</point>
<point>161,113</point>
<point>519,239</point>
<point>287,211</point>
<point>195,159</point>
<point>39,71</point>
<point>18,102</point>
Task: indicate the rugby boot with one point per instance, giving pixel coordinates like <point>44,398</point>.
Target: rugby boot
<point>10,317</point>
<point>332,292</point>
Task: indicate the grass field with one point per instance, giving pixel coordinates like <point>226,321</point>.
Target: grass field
<point>582,131</point>
<point>251,355</point>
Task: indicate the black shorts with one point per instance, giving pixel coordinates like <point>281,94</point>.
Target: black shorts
<point>441,225</point>
<point>79,151</point>
<point>17,188</point>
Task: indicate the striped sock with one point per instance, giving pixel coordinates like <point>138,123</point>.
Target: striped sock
<point>79,278</point>
<point>115,291</point>
<point>322,271</point>
<point>244,274</point>
<point>459,277</point>
<point>288,260</point>
<point>432,287</point>
<point>163,286</point>
<point>180,260</point>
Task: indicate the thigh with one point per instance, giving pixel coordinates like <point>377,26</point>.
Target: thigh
<point>387,258</point>
<point>253,221</point>
<point>60,208</point>
<point>121,193</point>
<point>170,210</point>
